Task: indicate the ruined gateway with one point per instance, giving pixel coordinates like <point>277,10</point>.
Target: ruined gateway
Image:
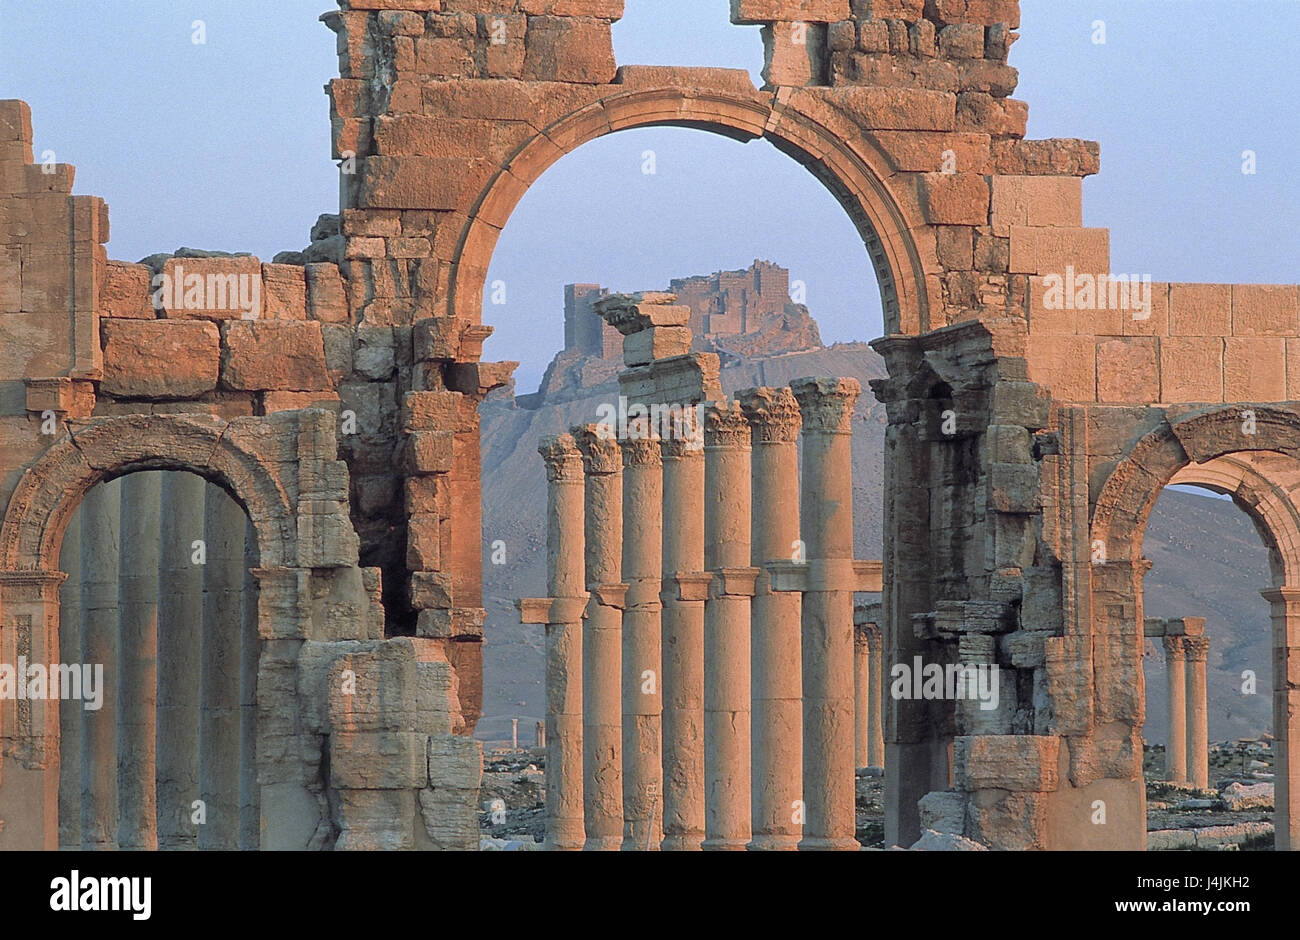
<point>330,447</point>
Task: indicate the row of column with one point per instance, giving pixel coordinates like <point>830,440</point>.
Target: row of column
<point>159,593</point>
<point>711,708</point>
<point>868,679</point>
<point>1187,753</point>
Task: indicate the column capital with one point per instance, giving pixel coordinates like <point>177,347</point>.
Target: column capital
<point>641,451</point>
<point>867,634</point>
<point>562,458</point>
<point>678,446</point>
<point>1281,595</point>
<point>826,403</point>
<point>725,426</point>
<point>1175,647</point>
<point>1196,648</point>
<point>34,584</point>
<point>773,414</point>
<point>600,452</point>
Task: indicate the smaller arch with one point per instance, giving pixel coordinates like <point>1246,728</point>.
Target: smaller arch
<point>105,448</point>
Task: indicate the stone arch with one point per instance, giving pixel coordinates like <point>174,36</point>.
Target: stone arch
<point>844,161</point>
<point>1261,471</point>
<point>51,489</point>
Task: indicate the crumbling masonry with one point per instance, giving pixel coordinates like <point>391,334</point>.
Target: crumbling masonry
<point>1029,434</point>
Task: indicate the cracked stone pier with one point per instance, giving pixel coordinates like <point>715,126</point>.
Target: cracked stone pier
<point>323,448</point>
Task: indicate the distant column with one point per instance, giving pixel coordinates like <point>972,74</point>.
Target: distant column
<point>100,520</point>
<point>602,653</point>
<point>137,690</point>
<point>1198,743</point>
<point>683,643</point>
<point>1176,750</point>
<point>861,695</point>
<point>642,667</point>
<point>876,702</point>
<point>70,712</point>
<point>777,671</point>
<point>180,621</point>
<point>223,625</point>
<point>826,514</point>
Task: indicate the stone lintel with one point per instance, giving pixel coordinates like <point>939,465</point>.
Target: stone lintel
<point>733,582</point>
<point>690,585</point>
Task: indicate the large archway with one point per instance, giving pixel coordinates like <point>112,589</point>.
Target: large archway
<point>1251,454</point>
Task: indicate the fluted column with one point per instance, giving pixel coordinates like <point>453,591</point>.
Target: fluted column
<point>223,585</point>
<point>100,520</point>
<point>727,507</point>
<point>1198,742</point>
<point>776,668</point>
<point>683,643</point>
<point>1285,610</point>
<point>642,666</point>
<point>602,653</point>
<point>70,712</point>
<point>250,793</point>
<point>180,620</point>
<point>562,614</point>
<point>876,701</point>
<point>826,515</point>
<point>1176,675</point>
<point>137,690</point>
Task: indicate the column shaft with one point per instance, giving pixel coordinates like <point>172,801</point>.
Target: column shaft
<point>250,794</point>
<point>100,520</point>
<point>1198,742</point>
<point>876,702</point>
<point>776,690</point>
<point>602,654</point>
<point>1176,675</point>
<point>223,585</point>
<point>180,620</point>
<point>861,697</point>
<point>70,712</point>
<point>727,508</point>
<point>826,514</point>
<point>1285,604</point>
<point>642,666</point>
<point>137,691</point>
<point>683,645</point>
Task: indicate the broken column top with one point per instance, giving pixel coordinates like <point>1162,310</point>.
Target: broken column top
<point>633,313</point>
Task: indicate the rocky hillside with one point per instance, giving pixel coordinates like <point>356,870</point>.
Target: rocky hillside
<point>1208,560</point>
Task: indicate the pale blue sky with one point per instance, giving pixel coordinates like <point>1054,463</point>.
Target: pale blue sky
<point>226,145</point>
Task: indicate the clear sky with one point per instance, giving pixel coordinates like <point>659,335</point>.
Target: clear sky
<point>226,145</point>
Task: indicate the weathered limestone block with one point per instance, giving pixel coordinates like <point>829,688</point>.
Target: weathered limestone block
<point>326,299</point>
<point>1050,158</point>
<point>378,760</point>
<point>961,41</point>
<point>1065,364</point>
<point>448,805</point>
<point>160,358</point>
<point>1254,368</point>
<point>955,198</point>
<point>1036,201</point>
<point>758,12</point>
<point>280,355</point>
<point>1265,309</point>
<point>1200,310</point>
<point>1017,762</point>
<point>212,288</point>
<point>943,811</point>
<point>284,292</point>
<point>569,49</point>
<point>1128,370</point>
<point>1007,820</point>
<point>925,151</point>
<point>1191,369</point>
<point>997,117</point>
<point>982,12</point>
<point>795,54</point>
<point>376,820</point>
<point>125,291</point>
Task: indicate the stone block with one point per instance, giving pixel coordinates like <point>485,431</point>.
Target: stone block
<point>929,151</point>
<point>564,49</point>
<point>431,590</point>
<point>445,58</point>
<point>1065,364</point>
<point>1200,310</point>
<point>661,342</point>
<point>961,41</point>
<point>215,288</point>
<point>159,358</point>
<point>1254,368</point>
<point>1128,370</point>
<point>274,356</point>
<point>1014,487</point>
<point>1191,369</point>
<point>326,299</point>
<point>125,291</point>
<point>1265,310</point>
<point>757,12</point>
<point>378,760</point>
<point>1016,762</point>
<point>1156,323</point>
<point>284,292</point>
<point>1054,157</point>
<point>997,117</point>
<point>413,182</point>
<point>954,244</point>
<point>980,12</point>
<point>955,198</point>
<point>1037,201</point>
<point>377,820</point>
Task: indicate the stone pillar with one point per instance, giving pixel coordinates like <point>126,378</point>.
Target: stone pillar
<point>1176,749</point>
<point>642,666</point>
<point>727,508</point>
<point>100,520</point>
<point>826,515</point>
<point>683,643</point>
<point>137,689</point>
<point>562,614</point>
<point>876,700</point>
<point>70,712</point>
<point>1285,604</point>
<point>861,695</point>
<point>180,620</point>
<point>602,653</point>
<point>223,625</point>
<point>250,794</point>
<point>1198,742</point>
<point>776,669</point>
